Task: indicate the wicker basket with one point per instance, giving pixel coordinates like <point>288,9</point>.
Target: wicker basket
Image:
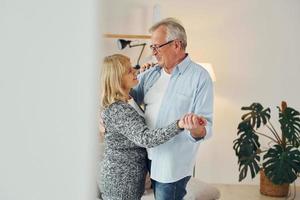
<point>270,189</point>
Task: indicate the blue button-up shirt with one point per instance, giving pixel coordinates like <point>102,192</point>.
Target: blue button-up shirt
<point>190,89</point>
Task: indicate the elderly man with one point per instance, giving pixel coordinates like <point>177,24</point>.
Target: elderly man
<point>175,86</point>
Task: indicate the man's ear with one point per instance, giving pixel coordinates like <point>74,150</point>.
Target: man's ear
<point>177,44</point>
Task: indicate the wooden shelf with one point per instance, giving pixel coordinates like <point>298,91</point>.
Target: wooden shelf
<point>119,36</point>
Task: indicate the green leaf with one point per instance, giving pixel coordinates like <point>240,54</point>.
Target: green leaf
<point>281,165</point>
<point>257,115</point>
<point>246,148</point>
<point>290,125</point>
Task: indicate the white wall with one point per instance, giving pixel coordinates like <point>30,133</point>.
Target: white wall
<point>254,47</point>
<point>127,17</point>
<point>48,100</point>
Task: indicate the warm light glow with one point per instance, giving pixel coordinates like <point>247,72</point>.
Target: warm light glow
<point>209,68</point>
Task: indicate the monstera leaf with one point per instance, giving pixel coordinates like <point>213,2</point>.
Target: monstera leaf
<point>257,115</point>
<point>281,165</point>
<point>246,148</point>
<point>290,125</point>
<point>281,162</point>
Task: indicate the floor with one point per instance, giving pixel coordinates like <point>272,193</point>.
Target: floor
<point>248,192</point>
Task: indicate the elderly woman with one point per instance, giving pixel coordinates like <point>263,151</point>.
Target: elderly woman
<point>124,168</point>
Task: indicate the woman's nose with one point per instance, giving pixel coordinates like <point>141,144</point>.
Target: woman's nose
<point>134,71</point>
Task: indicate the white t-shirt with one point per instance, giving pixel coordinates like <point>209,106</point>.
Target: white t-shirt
<point>136,107</point>
<point>153,100</point>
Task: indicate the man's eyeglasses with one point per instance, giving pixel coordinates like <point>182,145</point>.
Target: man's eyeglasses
<point>157,47</point>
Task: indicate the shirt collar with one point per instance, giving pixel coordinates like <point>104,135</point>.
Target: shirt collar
<point>180,67</point>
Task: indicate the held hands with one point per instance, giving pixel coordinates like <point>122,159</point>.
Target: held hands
<point>193,123</point>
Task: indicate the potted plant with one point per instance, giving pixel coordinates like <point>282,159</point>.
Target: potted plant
<point>281,159</point>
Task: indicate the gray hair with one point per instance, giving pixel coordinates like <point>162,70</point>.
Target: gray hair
<point>174,30</point>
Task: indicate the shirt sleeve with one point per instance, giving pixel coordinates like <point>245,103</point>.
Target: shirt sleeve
<point>128,122</point>
<point>203,104</point>
<point>138,91</point>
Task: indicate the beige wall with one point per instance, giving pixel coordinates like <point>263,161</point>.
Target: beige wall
<point>254,47</point>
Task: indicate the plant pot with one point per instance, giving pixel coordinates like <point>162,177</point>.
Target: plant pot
<point>270,189</point>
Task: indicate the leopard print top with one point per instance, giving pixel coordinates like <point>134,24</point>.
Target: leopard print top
<point>123,168</point>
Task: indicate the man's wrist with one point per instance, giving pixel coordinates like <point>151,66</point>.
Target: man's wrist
<point>198,138</point>
<point>198,134</point>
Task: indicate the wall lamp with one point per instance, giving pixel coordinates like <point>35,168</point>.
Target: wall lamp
<point>124,43</point>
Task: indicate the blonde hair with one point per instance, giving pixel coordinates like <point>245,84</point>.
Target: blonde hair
<point>174,30</point>
<point>113,69</point>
